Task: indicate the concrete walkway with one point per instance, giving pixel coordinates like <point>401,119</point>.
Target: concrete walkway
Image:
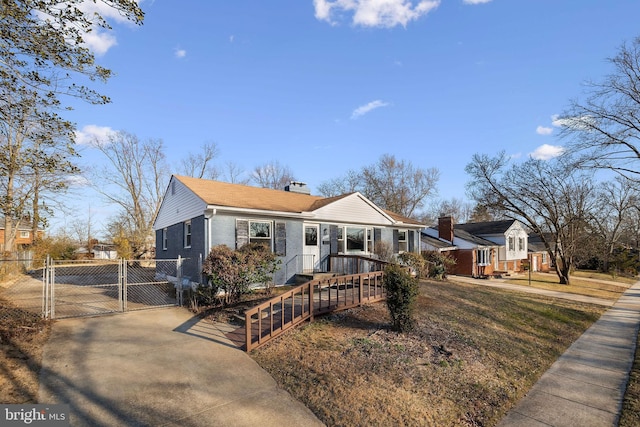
<point>586,385</point>
<point>160,367</point>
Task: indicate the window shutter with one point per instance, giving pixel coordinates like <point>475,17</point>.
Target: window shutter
<point>412,240</point>
<point>333,236</point>
<point>242,233</point>
<point>281,239</point>
<point>396,244</point>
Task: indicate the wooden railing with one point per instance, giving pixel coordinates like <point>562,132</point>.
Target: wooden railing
<point>353,264</point>
<point>271,318</point>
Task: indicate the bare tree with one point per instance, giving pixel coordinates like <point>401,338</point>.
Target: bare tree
<point>135,181</point>
<point>392,184</point>
<point>399,186</point>
<point>200,165</point>
<point>605,127</point>
<point>349,183</point>
<point>550,197</point>
<point>617,201</point>
<point>272,175</point>
<point>233,173</point>
<point>459,209</point>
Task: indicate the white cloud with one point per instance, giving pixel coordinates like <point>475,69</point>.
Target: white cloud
<point>364,109</point>
<point>232,38</point>
<point>99,42</point>
<point>92,134</point>
<point>475,1</point>
<point>77,181</point>
<point>374,13</point>
<point>543,130</point>
<point>180,53</point>
<point>547,152</point>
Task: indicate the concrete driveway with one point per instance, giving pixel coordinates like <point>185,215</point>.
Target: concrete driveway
<point>160,367</point>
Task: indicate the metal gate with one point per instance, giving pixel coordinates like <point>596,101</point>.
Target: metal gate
<point>94,287</point>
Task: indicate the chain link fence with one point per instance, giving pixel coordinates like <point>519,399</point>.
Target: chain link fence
<point>62,289</point>
<point>21,291</point>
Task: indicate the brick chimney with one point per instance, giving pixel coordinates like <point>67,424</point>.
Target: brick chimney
<point>445,228</point>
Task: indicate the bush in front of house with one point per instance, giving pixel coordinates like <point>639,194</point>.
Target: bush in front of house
<point>439,264</point>
<point>416,262</point>
<point>231,273</point>
<point>402,292</point>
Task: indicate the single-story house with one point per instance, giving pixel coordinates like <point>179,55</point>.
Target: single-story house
<point>481,248</point>
<point>303,230</point>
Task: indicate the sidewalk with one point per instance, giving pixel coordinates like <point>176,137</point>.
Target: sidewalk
<point>586,385</point>
<point>160,367</point>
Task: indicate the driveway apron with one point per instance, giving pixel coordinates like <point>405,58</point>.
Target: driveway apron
<point>160,367</point>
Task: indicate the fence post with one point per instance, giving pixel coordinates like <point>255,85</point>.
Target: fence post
<point>122,283</point>
<point>45,289</point>
<point>52,289</point>
<point>179,290</point>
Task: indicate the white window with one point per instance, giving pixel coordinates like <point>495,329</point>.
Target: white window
<point>25,234</point>
<point>340,239</point>
<point>187,234</point>
<point>483,257</point>
<point>164,239</point>
<point>521,244</point>
<point>355,239</point>
<point>544,257</point>
<point>260,232</point>
<point>370,240</point>
<point>402,241</point>
<point>512,243</point>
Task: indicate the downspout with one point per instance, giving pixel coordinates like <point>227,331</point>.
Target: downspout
<point>208,216</point>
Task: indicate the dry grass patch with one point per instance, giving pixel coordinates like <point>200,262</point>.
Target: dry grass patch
<point>630,416</point>
<point>474,353</point>
<point>610,291</point>
<point>22,338</point>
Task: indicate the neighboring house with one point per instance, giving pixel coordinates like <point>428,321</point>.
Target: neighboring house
<point>303,230</point>
<point>104,251</point>
<point>540,259</point>
<point>482,248</point>
<point>24,235</point>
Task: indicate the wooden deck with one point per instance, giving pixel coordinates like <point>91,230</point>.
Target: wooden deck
<point>271,318</point>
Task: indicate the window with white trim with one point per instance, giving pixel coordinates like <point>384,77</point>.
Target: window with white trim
<point>402,241</point>
<point>521,244</point>
<point>260,232</point>
<point>512,243</point>
<point>355,239</point>
<point>187,234</point>
<point>340,239</point>
<point>369,240</point>
<point>164,239</point>
<point>483,257</point>
<point>24,234</point>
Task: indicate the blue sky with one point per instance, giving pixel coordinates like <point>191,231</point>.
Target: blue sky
<point>327,86</point>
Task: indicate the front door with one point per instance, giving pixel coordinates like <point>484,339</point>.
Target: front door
<point>311,248</point>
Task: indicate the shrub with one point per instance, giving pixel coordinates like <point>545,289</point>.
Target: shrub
<point>383,251</point>
<point>439,264</point>
<point>416,262</point>
<point>402,291</point>
<point>232,272</point>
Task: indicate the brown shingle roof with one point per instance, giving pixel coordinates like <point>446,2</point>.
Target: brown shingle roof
<point>244,196</point>
<point>219,193</point>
